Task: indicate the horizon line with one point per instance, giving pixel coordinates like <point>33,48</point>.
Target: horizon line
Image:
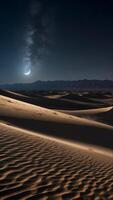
<point>57,80</point>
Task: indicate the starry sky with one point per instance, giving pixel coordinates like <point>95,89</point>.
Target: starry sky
<point>55,40</point>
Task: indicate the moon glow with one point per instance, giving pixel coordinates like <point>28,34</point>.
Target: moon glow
<point>27,73</point>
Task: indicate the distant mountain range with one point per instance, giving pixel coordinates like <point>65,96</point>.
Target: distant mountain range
<point>80,85</point>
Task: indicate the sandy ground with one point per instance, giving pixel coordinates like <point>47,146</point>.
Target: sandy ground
<point>52,103</point>
<point>104,115</point>
<point>47,154</point>
<point>33,167</point>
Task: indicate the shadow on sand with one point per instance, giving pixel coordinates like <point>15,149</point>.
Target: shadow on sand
<point>80,133</point>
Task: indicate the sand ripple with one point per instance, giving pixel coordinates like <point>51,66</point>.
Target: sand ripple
<point>36,168</point>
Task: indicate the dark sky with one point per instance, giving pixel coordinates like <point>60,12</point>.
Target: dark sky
<point>55,39</point>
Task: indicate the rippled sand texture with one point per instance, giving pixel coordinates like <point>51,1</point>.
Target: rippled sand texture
<point>32,167</point>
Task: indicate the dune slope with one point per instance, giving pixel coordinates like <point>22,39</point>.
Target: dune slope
<point>104,114</point>
<point>33,167</point>
<point>49,155</point>
<point>60,103</point>
<point>54,123</point>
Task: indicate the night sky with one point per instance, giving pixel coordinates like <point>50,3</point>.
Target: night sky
<point>55,40</point>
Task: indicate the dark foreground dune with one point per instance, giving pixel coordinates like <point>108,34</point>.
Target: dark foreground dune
<point>34,167</point>
<point>50,155</point>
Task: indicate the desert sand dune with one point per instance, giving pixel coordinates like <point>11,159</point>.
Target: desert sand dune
<point>107,101</point>
<point>81,103</point>
<point>80,97</point>
<point>103,98</point>
<point>99,95</point>
<point>57,96</point>
<point>51,103</point>
<point>104,115</point>
<point>34,167</point>
<point>54,123</point>
<point>49,155</point>
<point>88,111</point>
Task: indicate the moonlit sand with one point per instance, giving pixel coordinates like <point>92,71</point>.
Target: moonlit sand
<point>49,153</point>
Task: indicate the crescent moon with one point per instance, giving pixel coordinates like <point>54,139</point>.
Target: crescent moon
<point>27,73</point>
